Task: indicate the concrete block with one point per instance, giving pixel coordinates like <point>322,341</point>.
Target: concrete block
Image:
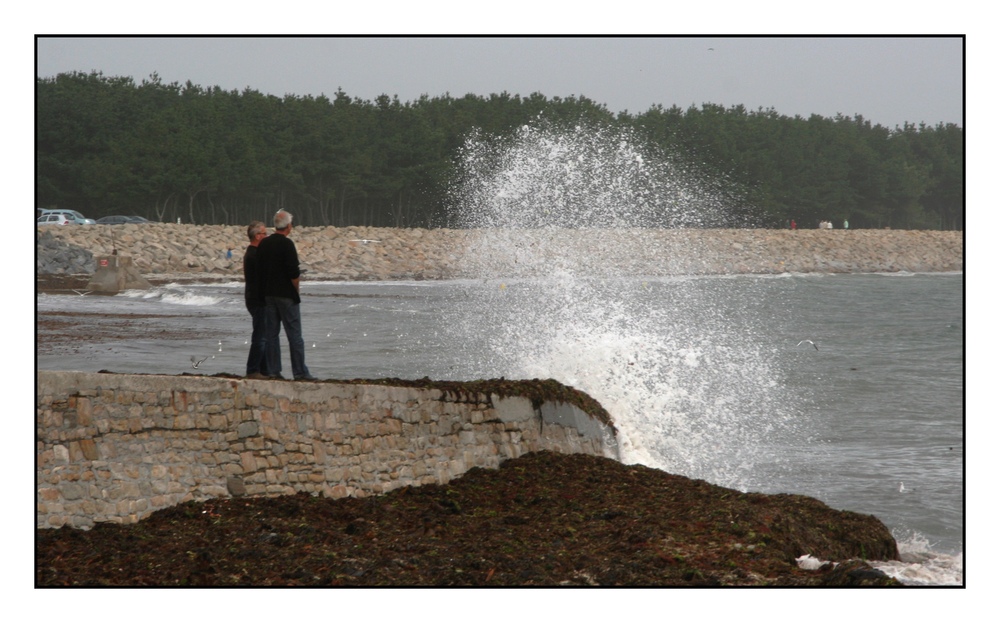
<point>571,416</point>
<point>116,273</point>
<point>513,408</point>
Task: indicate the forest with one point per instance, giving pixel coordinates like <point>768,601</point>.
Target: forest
<point>107,145</point>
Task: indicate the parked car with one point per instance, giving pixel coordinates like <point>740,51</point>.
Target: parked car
<point>120,220</point>
<point>54,219</point>
<point>72,215</point>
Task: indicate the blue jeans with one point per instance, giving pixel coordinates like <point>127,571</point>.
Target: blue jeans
<point>257,360</point>
<point>280,312</point>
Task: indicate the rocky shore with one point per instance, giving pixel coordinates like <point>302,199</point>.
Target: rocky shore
<point>361,253</point>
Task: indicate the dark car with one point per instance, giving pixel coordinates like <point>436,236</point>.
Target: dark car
<point>120,220</point>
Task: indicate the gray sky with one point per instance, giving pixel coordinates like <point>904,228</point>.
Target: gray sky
<point>887,80</point>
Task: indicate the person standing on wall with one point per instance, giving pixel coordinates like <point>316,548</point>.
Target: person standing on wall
<point>256,361</point>
<point>278,264</point>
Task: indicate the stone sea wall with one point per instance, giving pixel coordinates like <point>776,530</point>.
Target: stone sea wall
<point>360,253</point>
<point>117,447</point>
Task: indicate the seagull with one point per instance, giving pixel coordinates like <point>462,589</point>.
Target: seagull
<point>82,292</point>
<point>901,488</point>
<point>197,362</point>
<point>808,342</point>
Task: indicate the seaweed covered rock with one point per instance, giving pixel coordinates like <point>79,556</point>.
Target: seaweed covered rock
<point>543,519</point>
<point>855,573</point>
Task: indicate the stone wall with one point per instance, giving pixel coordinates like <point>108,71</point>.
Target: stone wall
<point>362,253</point>
<point>115,448</point>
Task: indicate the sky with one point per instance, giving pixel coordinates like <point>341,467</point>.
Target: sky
<point>886,80</point>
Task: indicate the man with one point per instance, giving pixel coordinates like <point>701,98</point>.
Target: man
<point>256,362</point>
<point>278,264</point>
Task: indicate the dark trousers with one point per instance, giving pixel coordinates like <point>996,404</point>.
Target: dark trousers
<point>284,312</point>
<point>257,359</point>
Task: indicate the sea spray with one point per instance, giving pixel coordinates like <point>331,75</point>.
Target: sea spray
<point>560,215</point>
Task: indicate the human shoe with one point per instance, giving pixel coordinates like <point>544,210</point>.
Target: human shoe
<point>257,376</point>
<point>306,377</point>
<point>276,377</point>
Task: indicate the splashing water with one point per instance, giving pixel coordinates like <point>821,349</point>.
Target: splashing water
<point>559,220</point>
<point>920,565</point>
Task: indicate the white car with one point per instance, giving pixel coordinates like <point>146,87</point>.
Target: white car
<point>71,215</point>
<point>54,219</point>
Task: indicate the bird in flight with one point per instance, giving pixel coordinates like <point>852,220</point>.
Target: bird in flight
<point>195,362</point>
<point>808,342</point>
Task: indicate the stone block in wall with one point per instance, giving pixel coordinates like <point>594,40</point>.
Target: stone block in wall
<point>247,429</point>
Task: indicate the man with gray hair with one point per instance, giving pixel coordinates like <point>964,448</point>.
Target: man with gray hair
<point>278,266</point>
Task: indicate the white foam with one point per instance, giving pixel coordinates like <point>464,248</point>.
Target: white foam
<point>173,294</point>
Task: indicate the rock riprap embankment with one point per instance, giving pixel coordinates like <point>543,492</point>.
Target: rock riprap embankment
<point>362,253</point>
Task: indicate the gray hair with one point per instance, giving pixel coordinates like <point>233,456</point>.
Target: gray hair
<point>255,228</point>
<point>282,219</point>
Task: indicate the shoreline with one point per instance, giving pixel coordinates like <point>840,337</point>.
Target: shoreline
<point>163,251</point>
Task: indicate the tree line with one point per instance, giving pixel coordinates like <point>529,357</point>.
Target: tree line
<point>108,145</point>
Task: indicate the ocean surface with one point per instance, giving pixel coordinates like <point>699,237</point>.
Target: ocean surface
<point>709,377</point>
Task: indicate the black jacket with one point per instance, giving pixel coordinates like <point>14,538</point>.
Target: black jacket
<point>278,265</point>
<point>251,277</point>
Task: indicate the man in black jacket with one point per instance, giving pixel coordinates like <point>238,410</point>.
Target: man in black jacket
<point>256,360</point>
<point>278,264</point>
